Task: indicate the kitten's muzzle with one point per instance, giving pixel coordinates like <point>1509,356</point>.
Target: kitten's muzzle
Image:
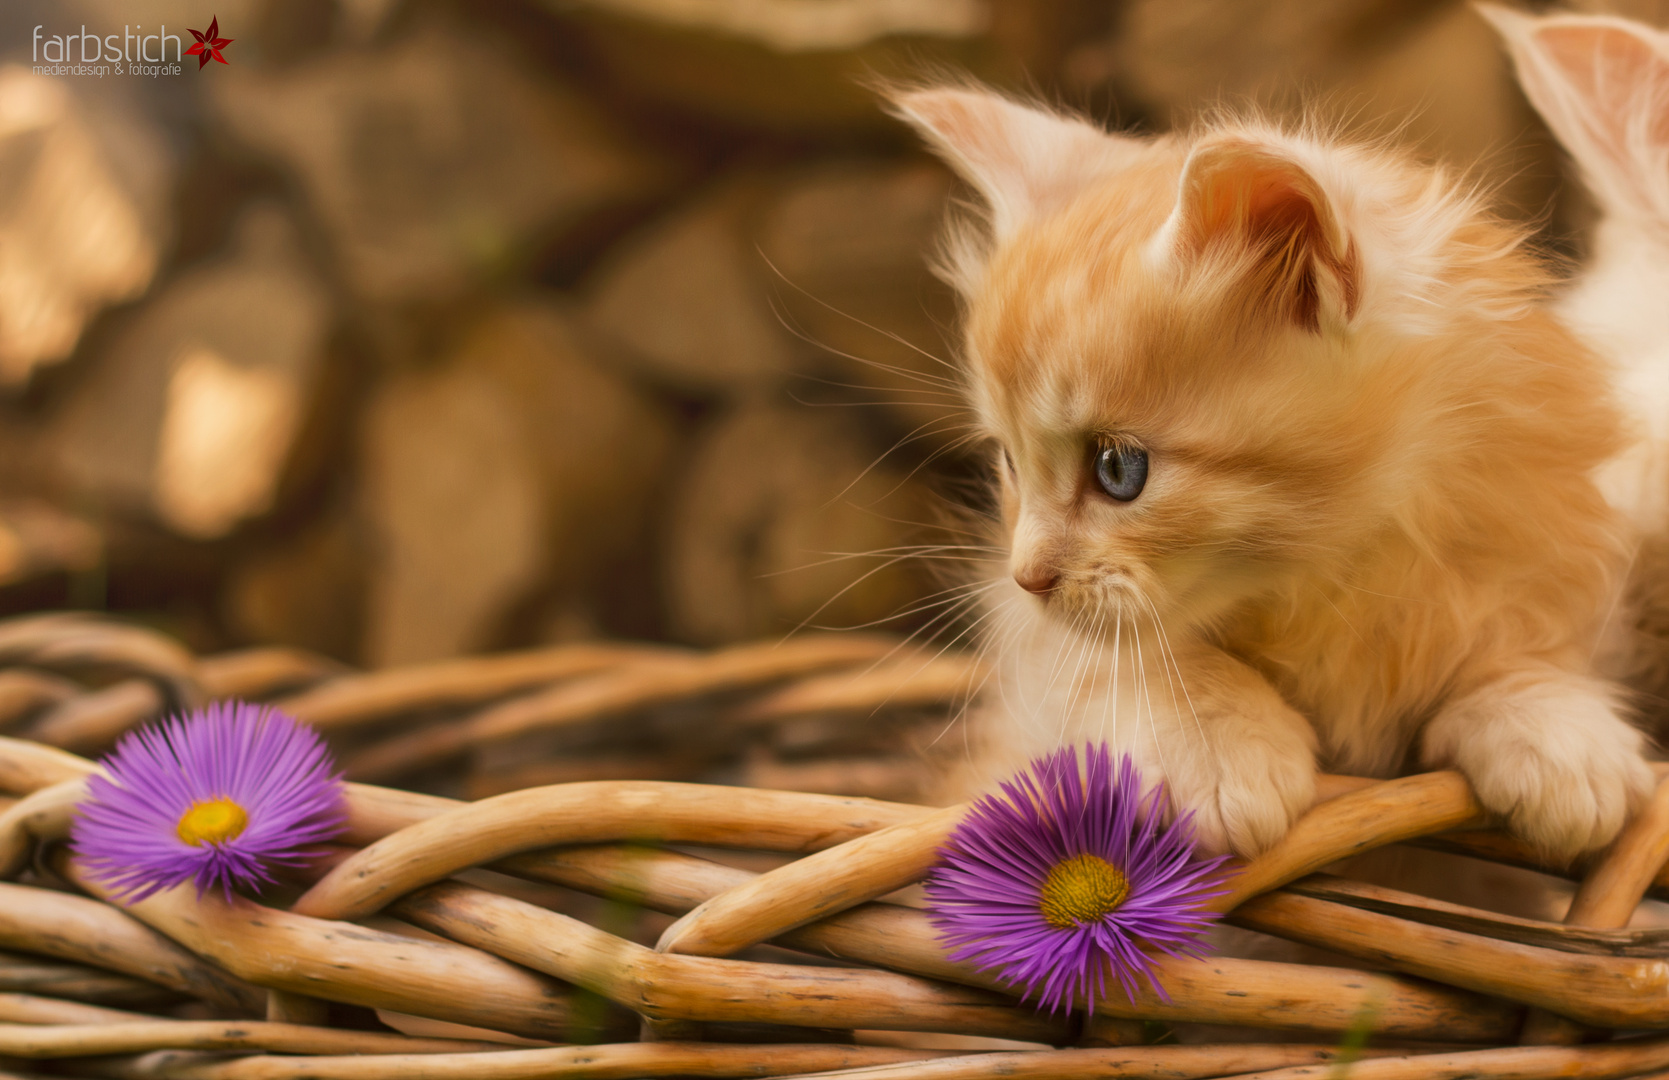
<point>1037,580</point>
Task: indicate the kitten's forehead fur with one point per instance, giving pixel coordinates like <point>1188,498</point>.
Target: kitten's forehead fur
<point>1091,318</point>
<point>1027,163</point>
<point>1090,312</point>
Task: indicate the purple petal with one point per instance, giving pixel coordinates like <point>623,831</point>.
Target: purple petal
<point>279,771</point>
<point>985,894</point>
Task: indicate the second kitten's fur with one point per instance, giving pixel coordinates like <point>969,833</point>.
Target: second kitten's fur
<point>1602,83</point>
<point>1293,468</point>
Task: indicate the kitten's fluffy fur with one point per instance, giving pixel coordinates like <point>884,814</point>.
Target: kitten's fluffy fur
<point>1603,84</point>
<point>1370,538</point>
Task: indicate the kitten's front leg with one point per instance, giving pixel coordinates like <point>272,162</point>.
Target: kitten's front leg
<point>1237,755</point>
<point>1545,749</point>
<point>1228,746</point>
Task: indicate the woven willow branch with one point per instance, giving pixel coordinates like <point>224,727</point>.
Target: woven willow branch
<point>651,680</point>
<point>357,965</point>
<point>1222,990</point>
<point>507,965</point>
<point>808,889</point>
<point>646,811</point>
<point>85,931</point>
<point>1610,991</point>
<point>1608,897</point>
<point>139,1036</point>
<point>578,1062</point>
<point>1257,1063</point>
<point>1613,889</point>
<point>663,987</point>
<point>1519,1063</point>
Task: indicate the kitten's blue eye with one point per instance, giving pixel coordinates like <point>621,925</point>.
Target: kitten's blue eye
<point>1121,470</point>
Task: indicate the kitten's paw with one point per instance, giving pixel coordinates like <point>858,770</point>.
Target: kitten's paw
<point>1551,757</point>
<point>1563,802</point>
<point>1247,799</point>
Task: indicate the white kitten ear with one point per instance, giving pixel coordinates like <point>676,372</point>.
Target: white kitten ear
<point>1602,85</point>
<point>1247,198</point>
<point>1019,158</point>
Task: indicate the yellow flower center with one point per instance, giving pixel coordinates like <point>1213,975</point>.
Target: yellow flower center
<point>1081,890</point>
<point>212,822</point>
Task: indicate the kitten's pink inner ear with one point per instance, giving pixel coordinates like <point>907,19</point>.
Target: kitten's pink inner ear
<point>975,134</point>
<point>1621,77</point>
<point>1602,84</point>
<point>1019,158</point>
<point>1237,194</point>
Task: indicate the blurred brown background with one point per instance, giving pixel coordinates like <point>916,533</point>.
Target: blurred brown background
<point>427,328</point>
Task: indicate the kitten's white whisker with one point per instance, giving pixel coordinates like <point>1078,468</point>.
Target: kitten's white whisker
<point>949,603</point>
<point>937,552</point>
<point>967,602</point>
<point>1096,653</point>
<point>953,609</point>
<point>1118,662</point>
<point>1164,666</point>
<point>1075,687</point>
<point>847,315</point>
<point>1057,666</point>
<point>886,565</point>
<point>925,430</point>
<point>990,668</point>
<point>1063,651</point>
<point>1146,695</point>
<point>973,436</point>
<point>953,411</point>
<point>956,610</point>
<point>959,399</point>
<point>909,639</point>
<point>785,318</point>
<point>1206,741</point>
<point>950,530</point>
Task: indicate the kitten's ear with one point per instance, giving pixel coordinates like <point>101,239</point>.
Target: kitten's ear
<point>1602,85</point>
<point>1019,158</point>
<point>1242,196</point>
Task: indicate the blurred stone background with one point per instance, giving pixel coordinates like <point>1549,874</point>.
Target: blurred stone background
<point>423,328</point>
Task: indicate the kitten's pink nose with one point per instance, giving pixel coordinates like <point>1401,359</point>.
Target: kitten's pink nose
<point>1037,580</point>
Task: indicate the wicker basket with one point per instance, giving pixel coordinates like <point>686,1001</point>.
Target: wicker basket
<point>508,936</point>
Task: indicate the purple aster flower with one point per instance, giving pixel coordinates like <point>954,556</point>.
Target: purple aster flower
<point>219,797</point>
<point>1073,873</point>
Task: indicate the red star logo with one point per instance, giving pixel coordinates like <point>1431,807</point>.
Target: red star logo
<point>208,44</point>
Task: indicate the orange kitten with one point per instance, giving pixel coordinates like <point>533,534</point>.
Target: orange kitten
<point>1294,471</point>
